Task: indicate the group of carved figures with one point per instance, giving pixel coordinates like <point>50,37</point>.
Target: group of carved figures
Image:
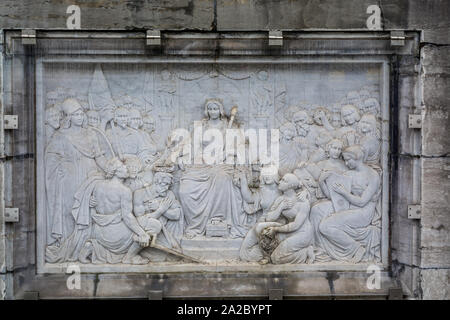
<point>113,187</point>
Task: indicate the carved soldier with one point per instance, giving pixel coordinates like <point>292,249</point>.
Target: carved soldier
<point>128,141</point>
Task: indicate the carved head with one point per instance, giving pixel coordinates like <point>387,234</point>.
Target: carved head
<point>115,167</point>
<point>353,156</point>
<point>319,113</point>
<point>53,117</point>
<point>73,113</point>
<point>367,124</point>
<point>302,120</point>
<point>93,118</point>
<point>163,181</point>
<point>305,178</point>
<point>107,113</point>
<point>135,118</point>
<point>371,106</point>
<point>323,138</point>
<point>364,94</point>
<point>349,115</point>
<point>289,181</point>
<point>334,148</point>
<point>134,166</point>
<point>269,175</point>
<point>353,98</point>
<point>121,117</point>
<point>52,98</point>
<point>288,131</point>
<point>214,109</point>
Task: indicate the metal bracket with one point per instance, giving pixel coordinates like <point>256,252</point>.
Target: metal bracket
<point>10,122</point>
<point>153,37</point>
<point>275,294</point>
<point>415,121</point>
<point>397,38</point>
<point>414,211</point>
<point>29,36</point>
<point>275,38</point>
<point>11,214</point>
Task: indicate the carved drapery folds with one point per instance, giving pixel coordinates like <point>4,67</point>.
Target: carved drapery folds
<point>121,188</point>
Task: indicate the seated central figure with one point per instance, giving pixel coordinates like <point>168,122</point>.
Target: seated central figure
<point>207,191</point>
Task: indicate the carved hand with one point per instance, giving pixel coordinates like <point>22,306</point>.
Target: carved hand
<point>287,204</point>
<point>92,202</point>
<point>339,188</point>
<point>151,205</point>
<point>165,205</point>
<point>144,240</point>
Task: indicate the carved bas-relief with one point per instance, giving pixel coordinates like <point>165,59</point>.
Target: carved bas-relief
<point>238,178</point>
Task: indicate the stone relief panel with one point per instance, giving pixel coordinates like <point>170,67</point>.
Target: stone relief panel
<point>116,185</point>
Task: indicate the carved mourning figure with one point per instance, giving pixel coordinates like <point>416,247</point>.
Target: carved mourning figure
<point>345,230</point>
<point>348,132</point>
<point>369,138</point>
<point>53,120</point>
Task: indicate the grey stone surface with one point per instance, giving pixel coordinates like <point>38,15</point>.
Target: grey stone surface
<point>432,17</point>
<point>405,234</point>
<point>436,100</point>
<point>435,284</point>
<point>435,222</point>
<point>290,15</point>
<point>112,15</point>
<point>409,140</point>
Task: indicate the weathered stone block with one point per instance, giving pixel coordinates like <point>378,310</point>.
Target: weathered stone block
<point>435,284</point>
<point>117,14</point>
<point>435,221</point>
<point>291,15</point>
<point>405,190</point>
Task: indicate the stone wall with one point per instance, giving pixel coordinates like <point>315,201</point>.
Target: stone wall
<point>420,249</point>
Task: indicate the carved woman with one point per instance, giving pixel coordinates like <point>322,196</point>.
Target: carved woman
<point>259,200</point>
<point>207,191</point>
<point>296,236</point>
<point>369,138</point>
<point>348,132</point>
<point>70,158</point>
<point>347,234</point>
<point>321,123</point>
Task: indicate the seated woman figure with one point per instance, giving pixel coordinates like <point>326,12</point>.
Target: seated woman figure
<point>347,235</point>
